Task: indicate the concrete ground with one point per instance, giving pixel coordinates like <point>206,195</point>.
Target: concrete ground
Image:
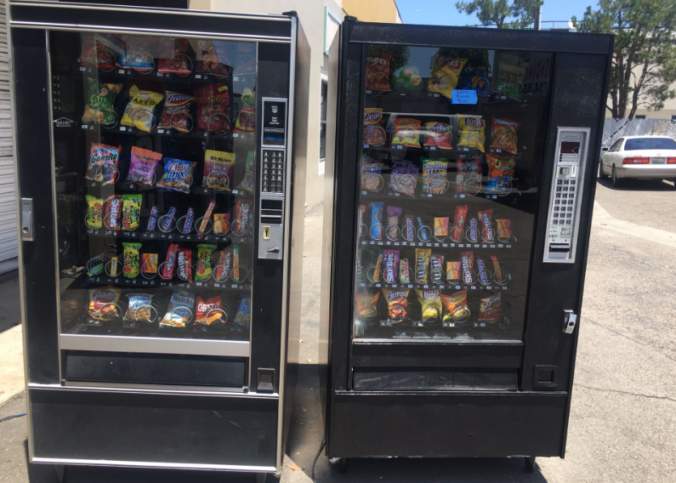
<point>623,418</point>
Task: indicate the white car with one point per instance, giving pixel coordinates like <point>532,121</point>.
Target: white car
<point>640,157</point>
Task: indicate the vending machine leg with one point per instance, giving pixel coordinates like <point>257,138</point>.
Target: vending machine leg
<point>529,464</point>
<point>61,473</point>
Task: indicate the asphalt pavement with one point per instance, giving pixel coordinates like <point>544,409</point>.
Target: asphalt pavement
<point>623,416</point>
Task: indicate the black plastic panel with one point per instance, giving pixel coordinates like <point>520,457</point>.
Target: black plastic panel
<point>144,20</point>
<point>154,428</point>
<point>446,425</point>
<point>154,369</point>
<point>440,380</point>
<point>35,181</point>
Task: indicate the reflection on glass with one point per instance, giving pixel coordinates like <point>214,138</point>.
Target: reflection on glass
<point>452,148</point>
<point>154,166</point>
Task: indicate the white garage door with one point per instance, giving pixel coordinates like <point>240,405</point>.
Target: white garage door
<point>8,234</point>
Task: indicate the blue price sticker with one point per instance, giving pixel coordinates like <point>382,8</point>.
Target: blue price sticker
<point>463,97</point>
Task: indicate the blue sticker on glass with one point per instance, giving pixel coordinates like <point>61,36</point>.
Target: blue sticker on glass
<point>464,97</point>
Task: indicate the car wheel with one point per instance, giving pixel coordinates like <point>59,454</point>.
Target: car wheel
<point>602,175</point>
<point>616,181</point>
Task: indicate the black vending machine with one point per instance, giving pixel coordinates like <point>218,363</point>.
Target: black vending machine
<point>458,216</point>
<point>161,178</point>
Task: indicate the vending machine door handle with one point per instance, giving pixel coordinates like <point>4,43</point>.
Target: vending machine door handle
<point>27,219</point>
<point>569,321</point>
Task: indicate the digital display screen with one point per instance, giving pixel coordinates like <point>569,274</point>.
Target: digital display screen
<point>274,123</point>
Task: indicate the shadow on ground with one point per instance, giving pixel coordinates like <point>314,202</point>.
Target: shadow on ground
<point>10,305</point>
<point>639,185</point>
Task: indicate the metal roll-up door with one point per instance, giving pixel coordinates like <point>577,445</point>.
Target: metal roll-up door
<point>8,234</point>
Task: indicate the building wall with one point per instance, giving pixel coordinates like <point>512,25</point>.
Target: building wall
<point>373,10</point>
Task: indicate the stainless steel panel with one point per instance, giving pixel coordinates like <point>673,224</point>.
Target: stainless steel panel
<point>27,219</point>
<point>150,464</point>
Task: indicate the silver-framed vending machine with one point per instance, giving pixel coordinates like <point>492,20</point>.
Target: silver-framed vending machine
<point>161,180</point>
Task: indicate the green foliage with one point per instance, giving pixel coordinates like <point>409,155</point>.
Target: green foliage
<point>644,59</point>
<point>499,12</point>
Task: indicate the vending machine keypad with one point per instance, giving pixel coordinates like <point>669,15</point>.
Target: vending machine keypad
<point>273,171</point>
<point>571,156</point>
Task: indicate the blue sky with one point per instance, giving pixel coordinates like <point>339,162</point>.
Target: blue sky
<point>443,12</point>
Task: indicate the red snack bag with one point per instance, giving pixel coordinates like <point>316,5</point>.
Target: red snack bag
<point>374,133</point>
<point>378,71</point>
<point>185,264</point>
<point>169,264</point>
<point>490,309</point>
<point>213,101</point>
<point>176,112</point>
<point>173,57</point>
<point>467,259</point>
<point>224,266</point>
<point>458,229</point>
<point>504,135</point>
<point>210,311</point>
<point>113,218</point>
<point>487,233</point>
<point>397,303</point>
<point>439,135</point>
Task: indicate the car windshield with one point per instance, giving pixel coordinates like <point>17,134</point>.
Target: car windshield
<point>649,143</point>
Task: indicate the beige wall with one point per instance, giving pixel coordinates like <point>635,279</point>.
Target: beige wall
<point>373,10</point>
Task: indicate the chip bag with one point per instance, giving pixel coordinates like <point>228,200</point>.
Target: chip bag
<point>176,112</point>
<point>438,135</point>
<point>490,309</point>
<point>455,307</point>
<point>140,111</point>
<point>397,304</point>
<point>430,301</point>
<point>96,52</point>
<point>248,183</point>
<point>434,171</point>
<point>501,174</point>
<point>103,304</point>
<point>178,175</point>
<point>204,262</point>
<point>374,133</point>
<point>504,135</point>
<point>139,308</point>
<point>472,132</point>
<point>445,75</point>
<point>132,260</point>
<point>142,166</point>
<point>378,71</point>
<point>243,316</point>
<point>221,223</point>
<point>406,132</point>
<point>218,170</point>
<point>213,58</point>
<point>94,216</point>
<point>422,264</point>
<point>103,162</point>
<point>366,305</point>
<point>131,212</point>
<point>100,106</point>
<point>209,311</point>
<point>213,101</point>
<point>403,177</point>
<point>173,57</point>
<point>246,119</point>
<point>181,309</point>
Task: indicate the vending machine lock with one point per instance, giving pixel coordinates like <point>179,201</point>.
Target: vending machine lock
<point>569,321</point>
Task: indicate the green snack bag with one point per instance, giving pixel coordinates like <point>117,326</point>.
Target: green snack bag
<point>100,106</point>
<point>204,262</point>
<point>131,212</point>
<point>132,260</point>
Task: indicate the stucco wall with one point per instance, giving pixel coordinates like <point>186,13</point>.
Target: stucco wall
<point>373,10</point>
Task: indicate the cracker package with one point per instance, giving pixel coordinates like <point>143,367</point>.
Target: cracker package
<point>181,310</point>
<point>140,308</point>
<point>371,175</point>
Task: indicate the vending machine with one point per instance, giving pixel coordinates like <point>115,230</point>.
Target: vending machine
<point>161,179</point>
<point>458,213</point>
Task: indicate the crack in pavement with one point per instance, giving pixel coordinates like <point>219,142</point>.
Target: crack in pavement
<point>627,393</point>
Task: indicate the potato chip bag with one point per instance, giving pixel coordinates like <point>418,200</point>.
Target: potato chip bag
<point>366,305</point>
<point>472,132</point>
<point>243,316</point>
<point>132,260</point>
<point>455,307</point>
<point>131,212</point>
<point>218,170</point>
<point>248,183</point>
<point>430,301</point>
<point>504,135</point>
<point>378,71</point>
<point>213,101</point>
<point>438,135</point>
<point>445,75</point>
<point>209,311</point>
<point>103,304</point>
<point>178,175</point>
<point>173,56</point>
<point>246,119</point>
<point>406,132</point>
<point>213,58</point>
<point>96,52</point>
<point>140,111</point>
<point>142,166</point>
<point>501,174</point>
<point>221,223</point>
<point>139,308</point>
<point>94,216</point>
<point>100,106</point>
<point>181,309</point>
<point>103,162</point>
<point>204,263</point>
<point>397,303</point>
<point>490,309</point>
<point>176,112</point>
<point>374,133</point>
<point>434,176</point>
<point>422,264</point>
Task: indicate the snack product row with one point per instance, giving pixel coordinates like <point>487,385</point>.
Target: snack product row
<point>170,55</point>
<point>449,309</point>
<point>210,263</point>
<point>460,131</point>
<point>207,109</point>
<point>404,175</point>
<point>390,267</point>
<point>184,309</point>
<point>389,223</point>
<point>177,174</point>
<point>123,213</point>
